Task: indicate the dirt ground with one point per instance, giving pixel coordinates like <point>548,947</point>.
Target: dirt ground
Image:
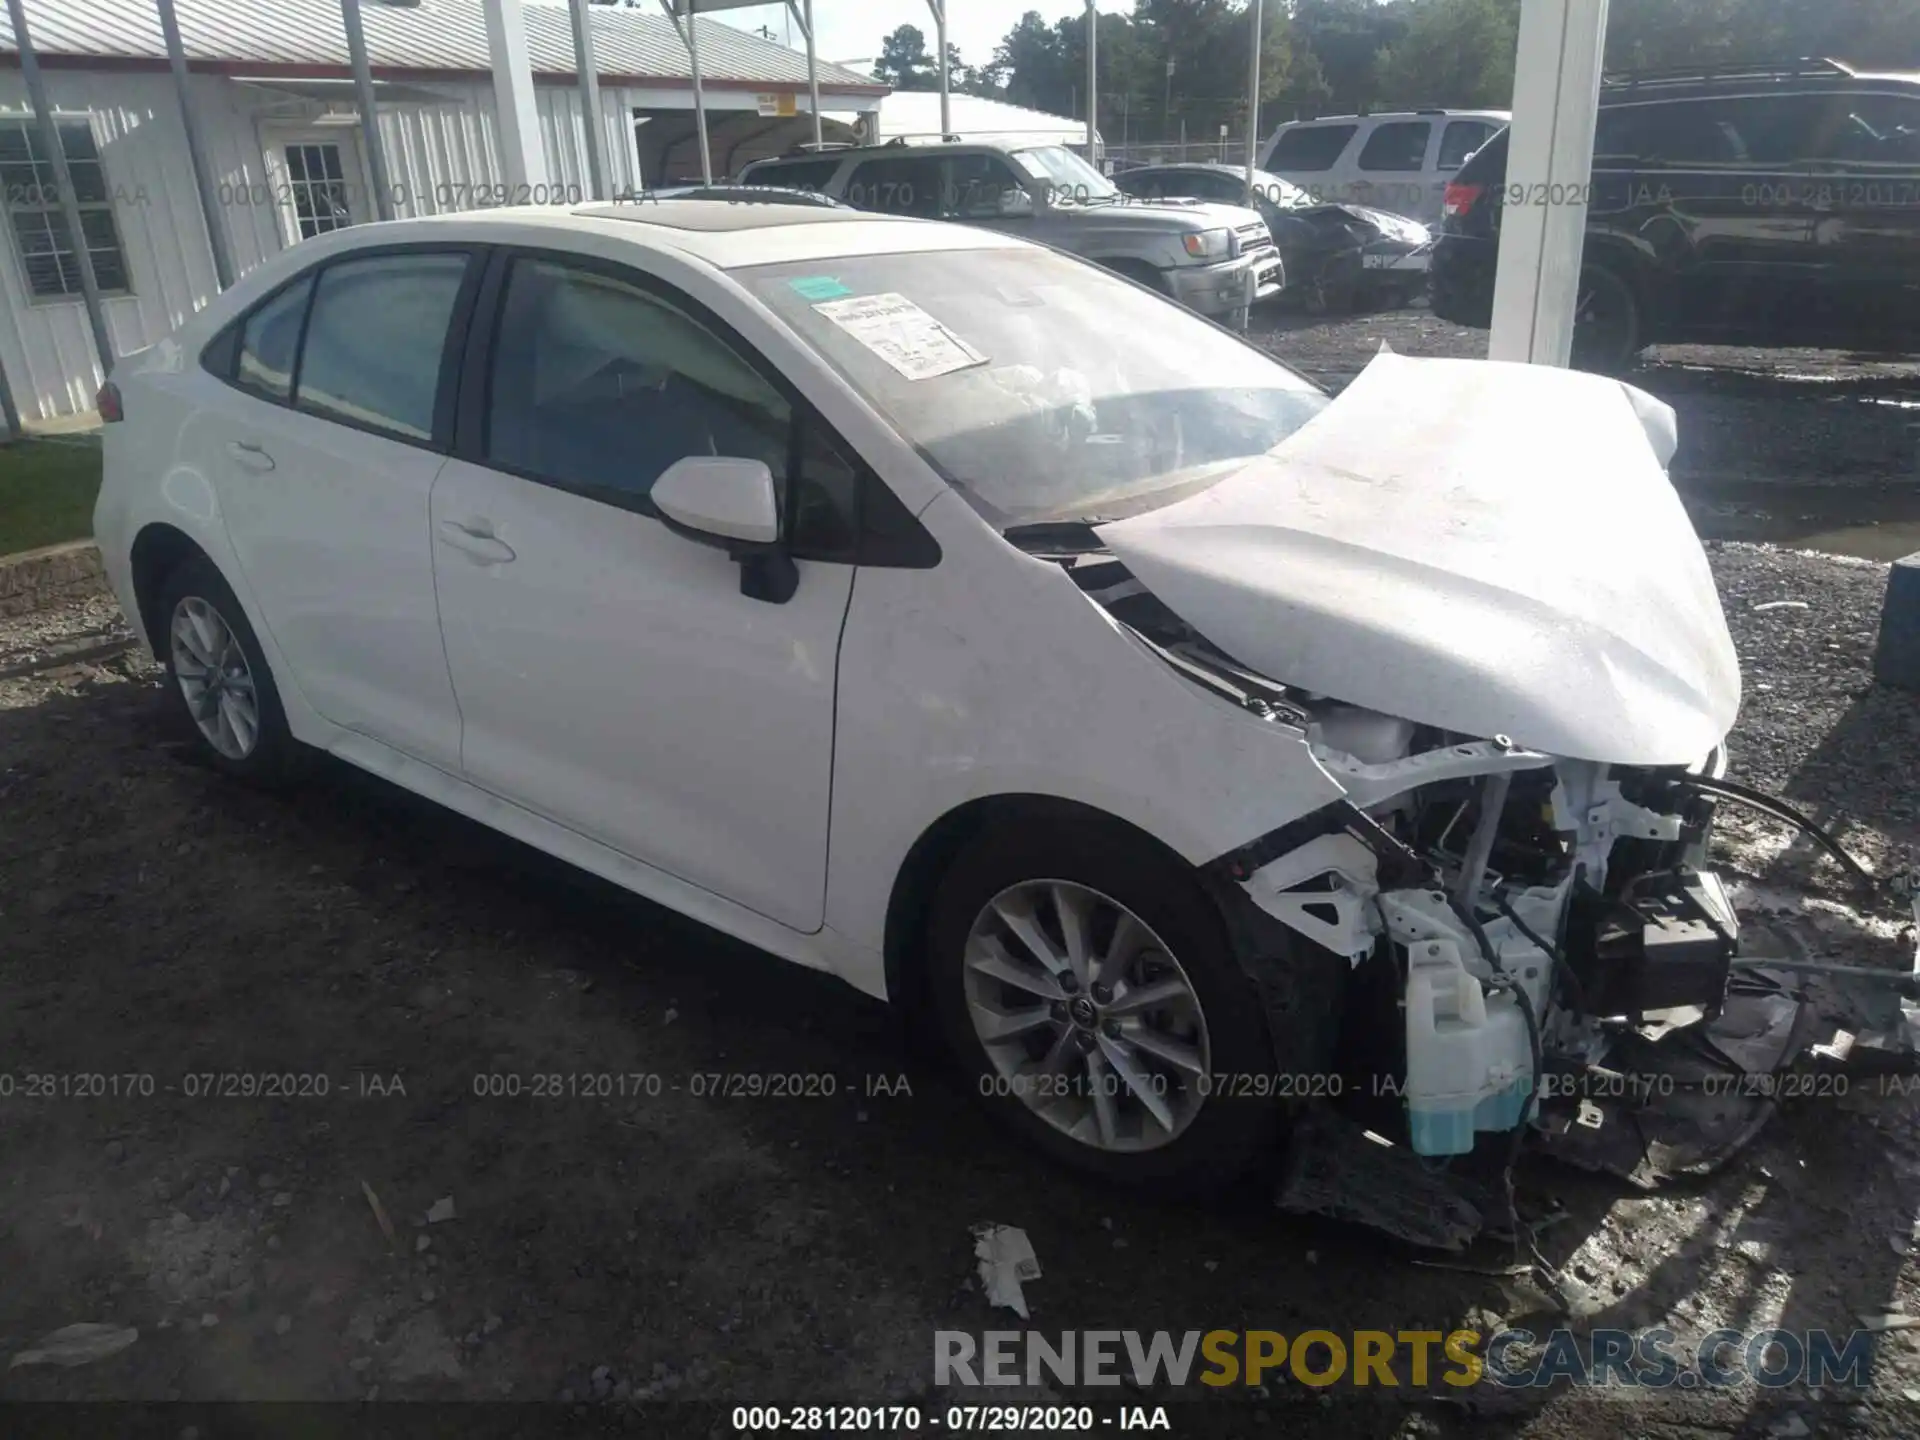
<point>657,1256</point>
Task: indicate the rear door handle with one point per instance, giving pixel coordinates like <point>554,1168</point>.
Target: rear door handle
<point>249,455</point>
<point>476,541</point>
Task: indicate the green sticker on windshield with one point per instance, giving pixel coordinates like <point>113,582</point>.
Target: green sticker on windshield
<point>819,287</point>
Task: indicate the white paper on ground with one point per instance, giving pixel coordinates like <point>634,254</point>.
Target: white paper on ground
<point>1006,1258</point>
<point>902,334</point>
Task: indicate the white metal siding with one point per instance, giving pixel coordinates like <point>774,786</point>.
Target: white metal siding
<point>436,155</point>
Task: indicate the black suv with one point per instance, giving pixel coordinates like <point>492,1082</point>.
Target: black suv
<point>1747,205</point>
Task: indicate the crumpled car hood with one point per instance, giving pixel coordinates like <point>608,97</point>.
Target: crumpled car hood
<point>1491,548</point>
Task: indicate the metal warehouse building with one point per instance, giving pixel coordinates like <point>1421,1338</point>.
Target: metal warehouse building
<point>281,131</point>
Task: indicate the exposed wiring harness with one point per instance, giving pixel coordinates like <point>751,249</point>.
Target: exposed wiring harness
<point>1780,810</point>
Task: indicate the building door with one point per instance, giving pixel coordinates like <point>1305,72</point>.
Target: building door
<point>319,181</point>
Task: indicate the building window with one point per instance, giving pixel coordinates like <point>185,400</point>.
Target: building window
<point>40,226</point>
<point>317,182</point>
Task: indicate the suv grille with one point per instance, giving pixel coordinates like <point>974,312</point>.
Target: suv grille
<point>1254,238</point>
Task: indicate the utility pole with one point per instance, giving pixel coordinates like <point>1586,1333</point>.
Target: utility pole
<point>1093,79</point>
<point>1253,104</point>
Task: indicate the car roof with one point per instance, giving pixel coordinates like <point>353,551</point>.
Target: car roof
<point>727,234</point>
<point>1503,116</point>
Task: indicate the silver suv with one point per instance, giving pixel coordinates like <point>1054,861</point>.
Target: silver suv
<point>1216,259</point>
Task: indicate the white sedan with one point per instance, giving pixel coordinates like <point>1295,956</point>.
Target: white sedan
<point>931,608</point>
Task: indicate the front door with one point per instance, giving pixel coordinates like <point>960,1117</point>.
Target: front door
<point>611,675</point>
<point>319,183</point>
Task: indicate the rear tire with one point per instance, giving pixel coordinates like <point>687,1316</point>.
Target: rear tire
<point>219,680</point>
<point>1606,323</point>
<point>1046,1081</point>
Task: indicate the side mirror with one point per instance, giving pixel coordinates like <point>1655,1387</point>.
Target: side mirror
<point>720,500</point>
<point>729,502</point>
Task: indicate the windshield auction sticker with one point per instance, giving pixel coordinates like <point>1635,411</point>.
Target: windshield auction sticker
<point>902,334</point>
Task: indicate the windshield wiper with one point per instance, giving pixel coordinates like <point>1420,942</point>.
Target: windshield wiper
<point>1057,537</point>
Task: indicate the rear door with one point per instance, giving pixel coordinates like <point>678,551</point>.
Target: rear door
<point>1864,179</point>
<point>612,675</point>
<point>1719,197</point>
<point>334,421</point>
<point>898,184</point>
<point>1390,169</point>
<point>1309,156</point>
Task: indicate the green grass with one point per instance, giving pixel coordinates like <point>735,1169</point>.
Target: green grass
<point>46,491</point>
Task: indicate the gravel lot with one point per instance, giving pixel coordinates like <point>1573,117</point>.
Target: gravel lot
<point>644,1256</point>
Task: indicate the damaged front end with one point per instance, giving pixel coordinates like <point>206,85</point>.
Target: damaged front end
<point>1487,930</point>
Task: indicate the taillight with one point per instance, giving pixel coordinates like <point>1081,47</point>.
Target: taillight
<point>107,402</point>
<point>1458,199</point>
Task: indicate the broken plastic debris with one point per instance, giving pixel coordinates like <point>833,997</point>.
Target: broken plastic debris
<point>79,1344</point>
<point>441,1209</point>
<point>1890,1321</point>
<point>379,1214</point>
<point>1006,1258</point>
<point>1781,605</point>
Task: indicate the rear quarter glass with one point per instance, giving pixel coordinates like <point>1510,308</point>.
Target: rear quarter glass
<point>1487,165</point>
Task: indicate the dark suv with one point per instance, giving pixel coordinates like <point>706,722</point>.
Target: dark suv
<point>1749,206</point>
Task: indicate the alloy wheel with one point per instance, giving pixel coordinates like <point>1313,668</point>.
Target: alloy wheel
<point>1086,1016</point>
<point>214,678</point>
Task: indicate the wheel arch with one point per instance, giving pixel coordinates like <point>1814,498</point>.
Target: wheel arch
<point>158,550</point>
<point>933,853</point>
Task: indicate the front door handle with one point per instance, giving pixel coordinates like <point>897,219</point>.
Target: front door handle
<point>477,541</point>
<point>249,456</point>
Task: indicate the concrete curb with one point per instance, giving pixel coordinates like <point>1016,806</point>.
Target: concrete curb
<point>36,579</point>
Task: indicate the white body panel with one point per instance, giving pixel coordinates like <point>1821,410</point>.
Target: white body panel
<point>613,678</point>
<point>623,706</point>
<point>1490,548</point>
<point>1416,193</point>
<point>332,540</point>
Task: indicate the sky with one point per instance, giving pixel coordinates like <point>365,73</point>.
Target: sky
<point>852,29</point>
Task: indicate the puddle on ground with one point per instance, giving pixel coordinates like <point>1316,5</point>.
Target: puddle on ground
<point>1871,523</point>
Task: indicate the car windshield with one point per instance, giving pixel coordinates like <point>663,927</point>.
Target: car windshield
<point>1004,367</point>
<point>1066,172</point>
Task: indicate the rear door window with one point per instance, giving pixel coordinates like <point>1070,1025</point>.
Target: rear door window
<point>1868,130</point>
<point>897,185</point>
<point>269,339</point>
<point>1459,140</point>
<point>1398,145</point>
<point>1310,147</point>
<point>1693,134</point>
<point>977,186</point>
<point>376,341</point>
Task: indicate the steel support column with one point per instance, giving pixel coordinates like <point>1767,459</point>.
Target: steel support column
<point>49,132</point>
<point>803,17</point>
<point>688,39</point>
<point>939,9</point>
<point>196,149</point>
<point>587,72</point>
<point>1556,94</point>
<point>515,109</point>
<point>369,108</point>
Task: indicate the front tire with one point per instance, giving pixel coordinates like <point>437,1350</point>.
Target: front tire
<point>1086,985</point>
<point>220,681</point>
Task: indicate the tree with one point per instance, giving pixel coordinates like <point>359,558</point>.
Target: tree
<point>904,62</point>
<point>1455,53</point>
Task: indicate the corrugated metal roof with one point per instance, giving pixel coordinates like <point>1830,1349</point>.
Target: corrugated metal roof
<point>437,35</point>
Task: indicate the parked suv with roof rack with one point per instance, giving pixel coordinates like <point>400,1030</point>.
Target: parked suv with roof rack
<point>1213,258</point>
<point>1399,162</point>
<point>1742,205</point>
